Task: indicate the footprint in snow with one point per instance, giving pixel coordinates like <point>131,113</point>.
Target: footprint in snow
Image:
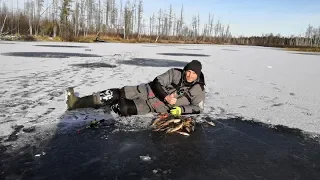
<point>49,110</point>
<point>277,104</point>
<point>242,107</point>
<point>307,113</point>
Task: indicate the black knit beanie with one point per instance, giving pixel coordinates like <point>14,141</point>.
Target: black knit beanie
<point>195,66</point>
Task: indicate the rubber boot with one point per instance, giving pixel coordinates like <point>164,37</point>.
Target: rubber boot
<point>70,97</point>
<point>74,102</point>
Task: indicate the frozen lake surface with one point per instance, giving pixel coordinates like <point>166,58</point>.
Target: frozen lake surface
<point>265,84</point>
<point>270,86</point>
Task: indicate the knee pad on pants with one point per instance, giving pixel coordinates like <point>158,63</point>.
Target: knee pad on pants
<point>111,96</point>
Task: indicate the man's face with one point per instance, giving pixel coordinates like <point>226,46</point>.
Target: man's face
<point>191,76</point>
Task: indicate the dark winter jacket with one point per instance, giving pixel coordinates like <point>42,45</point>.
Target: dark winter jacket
<point>190,96</point>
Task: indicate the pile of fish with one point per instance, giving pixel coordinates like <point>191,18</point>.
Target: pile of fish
<point>170,124</point>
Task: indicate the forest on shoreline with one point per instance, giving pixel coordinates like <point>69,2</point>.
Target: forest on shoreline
<point>111,21</point>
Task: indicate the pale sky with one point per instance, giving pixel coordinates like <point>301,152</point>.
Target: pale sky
<point>250,17</point>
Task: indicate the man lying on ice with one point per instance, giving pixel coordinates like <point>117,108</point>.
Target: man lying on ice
<point>177,91</point>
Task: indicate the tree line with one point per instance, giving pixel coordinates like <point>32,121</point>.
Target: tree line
<point>311,38</point>
<point>71,19</point>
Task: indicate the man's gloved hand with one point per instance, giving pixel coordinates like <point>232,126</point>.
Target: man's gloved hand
<point>176,111</point>
<point>171,99</point>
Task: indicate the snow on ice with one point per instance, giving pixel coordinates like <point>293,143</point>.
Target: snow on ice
<point>265,84</point>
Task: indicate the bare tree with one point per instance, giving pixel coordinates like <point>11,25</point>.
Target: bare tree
<point>152,20</point>
<point>198,25</point>
<point>194,27</point>
<point>89,7</point>
<point>174,27</point>
<point>140,11</point>
<point>143,27</point>
<point>170,20</point>
<point>127,19</point>
<point>132,17</point>
<point>227,34</point>
<point>178,30</point>
<point>98,17</point>
<point>39,6</point>
<point>205,32</point>
<point>54,16</point>
<point>150,26</point>
<point>165,23</point>
<point>181,20</point>
<point>217,28</point>
<point>318,32</point>
<point>30,6</point>
<point>65,13</point>
<point>18,19</point>
<point>3,11</point>
<point>108,9</point>
<point>12,18</point>
<point>76,19</point>
<point>159,24</point>
<point>82,22</point>
<point>222,33</point>
<point>211,24</point>
<point>121,15</point>
<point>309,31</point>
<point>4,22</point>
<point>114,12</point>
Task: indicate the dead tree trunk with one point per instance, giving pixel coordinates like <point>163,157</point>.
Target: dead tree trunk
<point>4,22</point>
<point>30,27</point>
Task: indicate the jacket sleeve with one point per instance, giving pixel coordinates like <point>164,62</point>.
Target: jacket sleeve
<point>159,84</point>
<point>195,97</point>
